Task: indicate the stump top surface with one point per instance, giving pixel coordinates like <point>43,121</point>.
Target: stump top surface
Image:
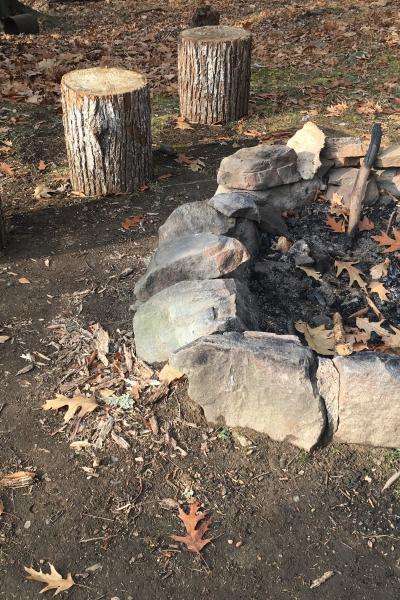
<point>103,81</point>
<point>215,33</point>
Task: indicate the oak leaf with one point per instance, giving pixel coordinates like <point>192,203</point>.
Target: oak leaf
<point>380,270</point>
<point>336,226</point>
<point>355,274</point>
<point>393,244</point>
<point>81,403</point>
<point>376,287</point>
<point>6,169</point>
<point>312,273</point>
<point>335,110</point>
<point>371,326</point>
<point>53,580</point>
<point>42,166</point>
<point>319,338</point>
<point>132,222</point>
<point>193,539</point>
<point>337,207</point>
<point>392,340</point>
<point>365,224</point>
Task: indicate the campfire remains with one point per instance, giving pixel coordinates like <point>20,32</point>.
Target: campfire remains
<point>247,294</point>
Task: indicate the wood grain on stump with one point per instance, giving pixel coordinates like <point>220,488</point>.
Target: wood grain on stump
<point>107,124</point>
<point>214,74</point>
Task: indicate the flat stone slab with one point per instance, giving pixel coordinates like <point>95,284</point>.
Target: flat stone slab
<point>257,380</point>
<point>188,310</point>
<point>308,142</point>
<point>345,189</point>
<point>328,387</point>
<point>198,256</point>
<point>388,157</point>
<point>258,168</point>
<point>369,399</point>
<point>389,181</point>
<point>194,217</point>
<point>345,147</point>
<point>236,204</point>
<point>285,197</point>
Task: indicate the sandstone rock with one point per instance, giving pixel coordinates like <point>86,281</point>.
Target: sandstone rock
<point>389,181</point>
<point>271,221</point>
<point>348,161</point>
<point>236,204</point>
<point>194,217</point>
<point>346,187</point>
<point>284,197</point>
<point>258,168</point>
<point>307,143</point>
<point>369,399</point>
<point>346,147</point>
<point>328,387</point>
<point>326,166</point>
<point>339,176</point>
<point>198,256</point>
<point>188,310</point>
<point>257,380</point>
<point>388,157</point>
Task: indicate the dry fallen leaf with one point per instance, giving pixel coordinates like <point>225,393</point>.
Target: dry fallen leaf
<point>335,110</point>
<point>380,270</point>
<point>42,165</point>
<point>6,169</point>
<point>18,479</point>
<point>312,273</point>
<point>365,224</point>
<point>376,287</point>
<point>169,374</point>
<point>102,343</point>
<point>53,580</point>
<point>23,281</point>
<point>336,226</point>
<point>283,244</point>
<point>318,338</point>
<point>193,539</point>
<point>85,405</point>
<point>393,244</point>
<point>1,507</point>
<point>41,192</point>
<point>4,339</point>
<point>132,222</point>
<point>181,123</point>
<point>355,274</point>
<point>371,327</point>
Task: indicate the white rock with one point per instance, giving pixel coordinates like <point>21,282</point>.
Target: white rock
<point>308,143</point>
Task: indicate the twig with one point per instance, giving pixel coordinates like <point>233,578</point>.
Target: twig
<point>391,218</point>
<point>391,481</point>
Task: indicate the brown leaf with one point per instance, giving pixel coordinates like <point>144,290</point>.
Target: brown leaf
<point>312,273</point>
<point>335,110</point>
<point>169,374</point>
<point>53,580</point>
<point>181,123</point>
<point>336,226</point>
<point>41,192</point>
<point>283,244</point>
<point>85,406</point>
<point>18,479</point>
<point>377,287</point>
<point>132,222</point>
<point>318,338</point>
<point>393,244</point>
<point>380,270</point>
<point>6,169</point>
<point>355,274</point>
<point>371,327</point>
<point>193,539</point>
<point>23,281</point>
<point>42,165</point>
<point>365,224</point>
<point>372,305</point>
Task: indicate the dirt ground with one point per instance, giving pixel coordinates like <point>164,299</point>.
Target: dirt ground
<point>281,518</point>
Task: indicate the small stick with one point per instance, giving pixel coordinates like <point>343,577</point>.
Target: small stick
<point>360,185</point>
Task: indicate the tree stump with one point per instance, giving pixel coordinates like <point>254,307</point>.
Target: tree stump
<point>107,124</point>
<point>214,74</point>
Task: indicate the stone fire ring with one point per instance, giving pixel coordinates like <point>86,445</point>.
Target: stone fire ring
<point>195,310</point>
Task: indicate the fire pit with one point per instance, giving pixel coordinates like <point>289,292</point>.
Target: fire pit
<point>280,320</point>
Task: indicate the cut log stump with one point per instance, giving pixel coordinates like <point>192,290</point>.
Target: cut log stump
<point>107,124</point>
<point>214,74</point>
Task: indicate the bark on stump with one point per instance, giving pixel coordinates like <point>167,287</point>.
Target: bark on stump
<point>214,74</point>
<point>107,124</point>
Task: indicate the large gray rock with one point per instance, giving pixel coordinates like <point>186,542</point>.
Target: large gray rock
<point>258,168</point>
<point>199,217</point>
<point>369,399</point>
<point>194,217</point>
<point>271,221</point>
<point>388,157</point>
<point>198,256</point>
<point>389,181</point>
<point>188,310</point>
<point>236,204</point>
<point>257,380</point>
<point>284,197</point>
<point>328,387</point>
<point>345,188</point>
<point>345,147</point>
